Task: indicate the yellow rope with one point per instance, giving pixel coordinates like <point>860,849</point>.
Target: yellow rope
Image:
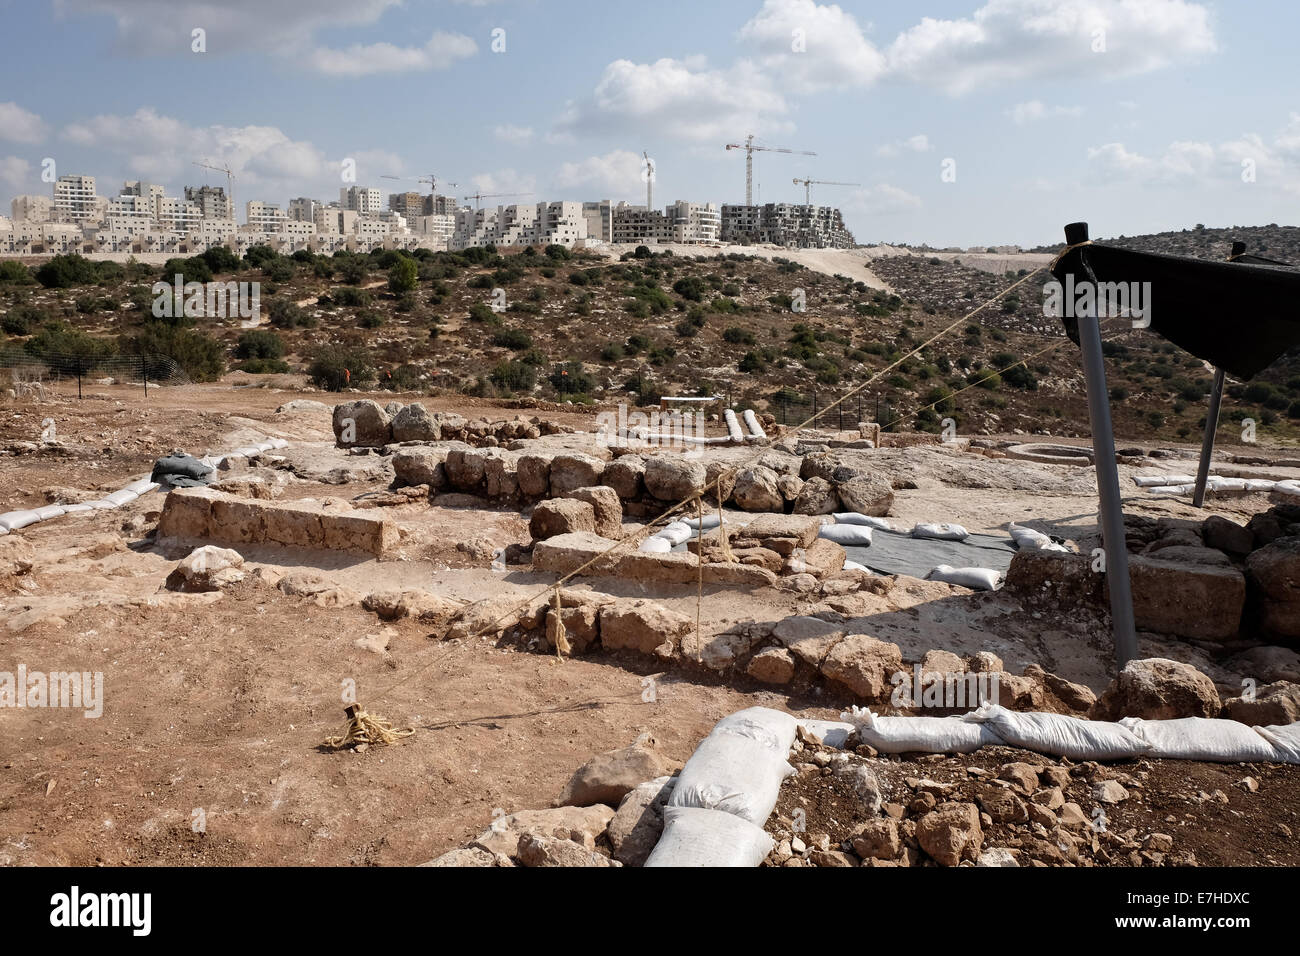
<point>363,728</point>
<point>699,575</point>
<point>562,645</point>
<point>727,554</point>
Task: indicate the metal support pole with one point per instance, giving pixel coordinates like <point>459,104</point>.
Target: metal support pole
<point>1207,443</point>
<point>1103,445</point>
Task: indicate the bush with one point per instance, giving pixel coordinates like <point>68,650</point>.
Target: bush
<point>23,319</point>
<point>201,356</point>
<point>570,379</point>
<point>515,339</point>
<point>336,367</point>
<point>264,366</point>
<point>613,352</point>
<point>279,269</point>
<point>65,271</point>
<point>260,344</point>
<point>637,343</point>
<point>686,330</point>
<point>370,319</point>
<point>558,253</point>
<point>287,315</point>
<point>514,376</point>
<point>11,270</point>
<point>690,287</point>
<point>738,336</point>
<point>351,296</point>
<point>478,312</point>
<point>259,255</point>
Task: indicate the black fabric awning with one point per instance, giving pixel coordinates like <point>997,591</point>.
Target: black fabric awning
<point>1240,316</point>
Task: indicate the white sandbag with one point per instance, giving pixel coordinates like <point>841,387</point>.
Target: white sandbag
<point>943,532</point>
<point>1031,539</point>
<point>142,487</point>
<point>774,729</point>
<point>77,509</point>
<point>279,443</point>
<point>751,422</point>
<point>739,767</point>
<point>679,532</point>
<point>977,579</point>
<point>47,512</point>
<point>248,451</point>
<point>101,504</point>
<point>3,532</point>
<point>1285,739</point>
<point>265,445</point>
<point>1259,484</point>
<point>1201,738</point>
<point>698,837</point>
<point>1060,735</point>
<point>734,431</point>
<point>1155,481</point>
<point>1288,487</point>
<point>853,517</point>
<point>656,545</point>
<point>833,733</point>
<point>13,520</point>
<point>119,498</point>
<point>929,735</point>
<point>710,522</point>
<point>1226,484</point>
<point>854,566</point>
<point>858,535</point>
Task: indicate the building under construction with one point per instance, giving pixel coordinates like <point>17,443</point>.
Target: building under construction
<point>786,224</point>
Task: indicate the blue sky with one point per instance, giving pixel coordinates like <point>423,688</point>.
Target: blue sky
<point>1137,115</point>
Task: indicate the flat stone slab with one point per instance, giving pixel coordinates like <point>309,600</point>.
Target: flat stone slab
<point>801,528</point>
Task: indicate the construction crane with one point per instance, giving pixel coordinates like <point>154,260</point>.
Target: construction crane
<point>750,149</point>
<point>230,183</point>
<point>807,183</point>
<point>478,196</point>
<point>649,170</point>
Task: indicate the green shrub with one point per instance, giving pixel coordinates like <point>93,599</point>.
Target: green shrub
<point>260,344</point>
<point>515,376</point>
<point>515,339</point>
<point>336,367</point>
<point>201,356</point>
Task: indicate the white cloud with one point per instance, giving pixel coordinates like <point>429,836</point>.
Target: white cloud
<point>516,135</point>
<point>920,143</point>
<point>683,99</point>
<point>882,200</point>
<point>267,163</point>
<point>154,27</point>
<point>617,173</point>
<point>1033,111</point>
<point>15,173</point>
<point>812,47</point>
<point>1009,41</point>
<point>19,125</point>
<point>506,181</point>
<point>1182,161</point>
<point>441,52</point>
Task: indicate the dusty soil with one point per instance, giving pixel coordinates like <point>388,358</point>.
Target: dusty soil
<point>216,706</point>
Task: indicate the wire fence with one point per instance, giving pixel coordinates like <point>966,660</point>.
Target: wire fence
<point>827,410</point>
<point>32,375</point>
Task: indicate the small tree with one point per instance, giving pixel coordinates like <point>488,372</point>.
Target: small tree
<point>403,276</point>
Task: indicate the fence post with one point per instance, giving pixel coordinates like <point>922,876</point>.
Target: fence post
<point>144,372</point>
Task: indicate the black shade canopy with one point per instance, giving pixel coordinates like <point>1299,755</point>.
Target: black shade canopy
<point>1240,316</point>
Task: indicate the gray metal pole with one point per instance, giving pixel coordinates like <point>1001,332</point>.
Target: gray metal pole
<point>1103,445</point>
<point>1207,443</point>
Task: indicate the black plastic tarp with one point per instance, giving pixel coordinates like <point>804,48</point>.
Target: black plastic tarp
<point>1240,316</point>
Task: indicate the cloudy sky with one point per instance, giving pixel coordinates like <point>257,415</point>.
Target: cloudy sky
<point>964,122</point>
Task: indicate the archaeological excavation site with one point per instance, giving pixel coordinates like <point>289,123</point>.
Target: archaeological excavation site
<point>403,631</point>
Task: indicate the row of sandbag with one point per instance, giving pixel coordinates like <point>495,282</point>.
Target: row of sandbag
<point>16,520</point>
<point>1060,735</point>
<point>726,792</point>
<point>1183,485</point>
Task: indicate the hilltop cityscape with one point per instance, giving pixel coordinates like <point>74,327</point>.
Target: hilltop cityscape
<point>143,219</point>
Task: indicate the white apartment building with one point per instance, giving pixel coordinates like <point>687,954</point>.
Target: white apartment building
<point>335,221</point>
<point>560,223</point>
<point>32,208</point>
<point>178,215</point>
<point>694,221</point>
<point>437,227</point>
<point>263,216</point>
<point>129,215</point>
<point>75,199</point>
<point>302,209</point>
<point>150,192</point>
<point>362,199</point>
<point>600,220</point>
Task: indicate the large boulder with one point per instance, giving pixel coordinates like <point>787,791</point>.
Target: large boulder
<point>208,568</point>
<point>574,471</point>
<point>625,475</point>
<point>1189,600</point>
<point>534,850</point>
<point>642,626</point>
<point>607,507</point>
<point>1272,704</point>
<point>420,466</point>
<point>817,497</point>
<point>580,824</point>
<point>720,479</point>
<point>561,516</point>
<point>414,423</point>
<point>864,665</point>
<point>671,478</point>
<point>867,494</point>
<point>639,822</point>
<point>362,424</point>
<point>465,468</point>
<point>533,472</point>
<point>756,490</point>
<point>500,474</point>
<point>951,833</point>
<point>1274,572</point>
<point>607,778</point>
<point>1158,689</point>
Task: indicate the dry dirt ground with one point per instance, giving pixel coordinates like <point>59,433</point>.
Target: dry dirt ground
<point>209,750</point>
